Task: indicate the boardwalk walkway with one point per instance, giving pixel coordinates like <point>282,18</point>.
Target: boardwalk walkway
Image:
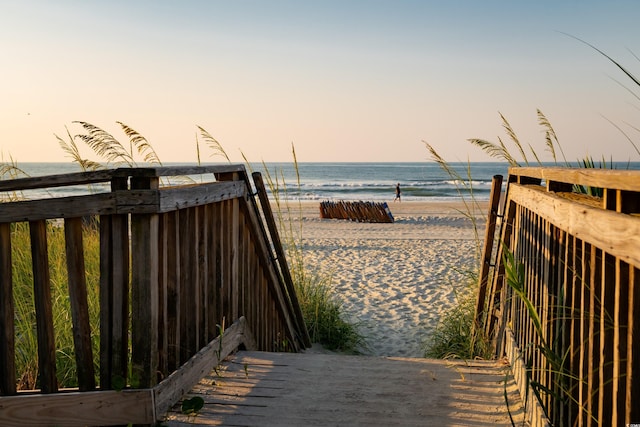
<point>312,389</point>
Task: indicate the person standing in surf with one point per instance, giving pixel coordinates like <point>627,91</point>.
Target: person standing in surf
<point>397,193</point>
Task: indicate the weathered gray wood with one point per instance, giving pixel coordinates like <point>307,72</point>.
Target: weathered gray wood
<point>633,349</point>
<point>61,180</point>
<point>268,389</point>
<point>171,272</point>
<point>144,299</point>
<point>7,329</point>
<point>199,365</point>
<point>78,302</point>
<point>275,289</point>
<point>79,409</point>
<point>487,251</point>
<point>114,295</point>
<point>202,194</point>
<point>298,317</point>
<point>160,171</point>
<point>188,278</point>
<point>43,306</point>
<point>63,207</point>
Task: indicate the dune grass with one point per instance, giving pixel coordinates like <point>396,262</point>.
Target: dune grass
<point>25,324</point>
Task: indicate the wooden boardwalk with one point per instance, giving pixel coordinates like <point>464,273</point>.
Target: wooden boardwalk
<point>313,389</point>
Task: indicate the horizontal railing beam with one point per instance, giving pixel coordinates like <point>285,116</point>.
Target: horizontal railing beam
<point>122,202</point>
<point>616,233</point>
<point>600,178</point>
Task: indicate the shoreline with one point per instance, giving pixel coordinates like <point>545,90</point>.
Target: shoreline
<point>395,280</point>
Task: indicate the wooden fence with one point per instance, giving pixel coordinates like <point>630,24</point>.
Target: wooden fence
<point>356,211</point>
<point>564,302</point>
<point>177,262</point>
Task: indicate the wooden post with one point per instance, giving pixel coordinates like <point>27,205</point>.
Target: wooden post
<point>114,295</point>
<point>487,250</point>
<point>7,328</point>
<point>144,292</point>
<point>78,302</point>
<point>43,306</point>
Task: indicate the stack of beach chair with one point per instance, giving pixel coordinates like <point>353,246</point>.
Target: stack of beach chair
<point>356,211</point>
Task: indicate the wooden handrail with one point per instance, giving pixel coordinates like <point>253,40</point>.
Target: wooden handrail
<point>569,321</point>
<point>187,259</point>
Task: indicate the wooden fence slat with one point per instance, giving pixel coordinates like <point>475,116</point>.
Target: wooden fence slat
<point>79,304</point>
<point>171,269</point>
<point>144,300</point>
<point>633,349</point>
<point>620,234</point>
<point>281,257</point>
<point>580,256</point>
<point>43,307</point>
<point>188,273</point>
<point>487,252</point>
<point>7,328</point>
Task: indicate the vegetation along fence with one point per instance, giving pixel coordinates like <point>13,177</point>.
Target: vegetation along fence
<point>564,302</point>
<point>183,251</point>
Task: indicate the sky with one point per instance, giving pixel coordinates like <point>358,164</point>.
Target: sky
<point>341,81</point>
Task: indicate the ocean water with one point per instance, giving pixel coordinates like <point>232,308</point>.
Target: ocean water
<point>377,181</point>
<point>419,181</point>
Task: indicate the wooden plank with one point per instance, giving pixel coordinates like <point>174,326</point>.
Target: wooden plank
<point>607,314</point>
<point>212,271</point>
<point>171,268</point>
<point>202,230</point>
<point>79,409</point>
<point>43,307</point>
<point>585,274</point>
<point>487,252</point>
<point>616,179</point>
<point>144,300</point>
<point>61,207</point>
<point>621,326</point>
<point>290,290</point>
<point>633,349</point>
<point>200,195</point>
<point>234,261</point>
<point>160,171</point>
<point>170,390</point>
<point>595,283</point>
<point>78,302</point>
<point>187,285</point>
<point>618,234</point>
<point>260,389</point>
<point>7,310</point>
<point>163,300</point>
<point>114,295</point>
<point>60,180</point>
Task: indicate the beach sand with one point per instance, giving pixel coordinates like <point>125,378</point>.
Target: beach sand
<point>395,280</point>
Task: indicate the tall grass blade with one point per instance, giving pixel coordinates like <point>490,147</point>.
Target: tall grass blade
<point>213,144</point>
<point>70,147</point>
<point>143,147</point>
<point>105,145</point>
<point>514,138</point>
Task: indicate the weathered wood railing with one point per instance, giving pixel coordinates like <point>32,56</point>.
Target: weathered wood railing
<point>566,308</point>
<point>177,263</point>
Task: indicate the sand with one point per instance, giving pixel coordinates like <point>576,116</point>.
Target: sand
<point>395,280</point>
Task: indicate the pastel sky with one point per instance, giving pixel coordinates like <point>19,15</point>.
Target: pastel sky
<point>362,80</point>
